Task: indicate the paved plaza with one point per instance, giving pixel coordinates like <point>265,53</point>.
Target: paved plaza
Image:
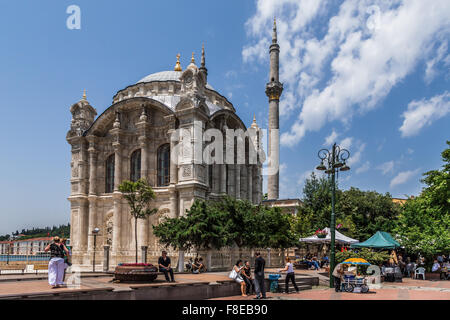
<point>409,289</point>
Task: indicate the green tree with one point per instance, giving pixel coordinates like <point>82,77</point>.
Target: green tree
<point>274,228</point>
<point>317,201</point>
<point>424,223</point>
<point>239,215</point>
<point>138,194</point>
<point>366,212</point>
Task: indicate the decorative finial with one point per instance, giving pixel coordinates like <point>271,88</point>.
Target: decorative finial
<point>203,55</point>
<point>192,59</point>
<point>254,124</point>
<point>178,65</point>
<point>84,95</point>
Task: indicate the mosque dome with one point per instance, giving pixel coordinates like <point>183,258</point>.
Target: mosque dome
<point>166,76</point>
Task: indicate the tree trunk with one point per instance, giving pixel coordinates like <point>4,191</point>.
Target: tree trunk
<point>136,238</point>
<point>180,260</point>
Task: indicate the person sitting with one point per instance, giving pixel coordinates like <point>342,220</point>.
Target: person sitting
<point>325,262</point>
<point>410,267</point>
<point>315,263</point>
<point>189,265</point>
<point>165,267</point>
<point>436,267</point>
<point>247,276</point>
<point>238,267</point>
<point>201,265</point>
<point>196,266</point>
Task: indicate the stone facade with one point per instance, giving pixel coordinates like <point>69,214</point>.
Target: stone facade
<point>132,139</point>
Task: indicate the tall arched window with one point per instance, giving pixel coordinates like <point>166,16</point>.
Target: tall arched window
<point>109,174</point>
<point>135,165</point>
<point>163,165</point>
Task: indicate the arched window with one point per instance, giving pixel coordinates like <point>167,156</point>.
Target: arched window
<point>109,174</point>
<point>135,164</point>
<point>163,165</point>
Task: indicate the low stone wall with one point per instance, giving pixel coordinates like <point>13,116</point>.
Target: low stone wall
<point>194,291</point>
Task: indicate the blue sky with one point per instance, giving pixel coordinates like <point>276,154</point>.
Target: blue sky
<point>371,75</point>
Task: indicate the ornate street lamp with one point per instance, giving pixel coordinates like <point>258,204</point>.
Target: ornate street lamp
<point>94,233</point>
<point>332,161</point>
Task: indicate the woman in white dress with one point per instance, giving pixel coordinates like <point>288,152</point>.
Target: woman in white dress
<point>56,265</point>
<point>238,267</point>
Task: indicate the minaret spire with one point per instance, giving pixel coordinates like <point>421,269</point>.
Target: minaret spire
<point>273,91</point>
<point>203,64</point>
<point>203,56</point>
<point>274,33</point>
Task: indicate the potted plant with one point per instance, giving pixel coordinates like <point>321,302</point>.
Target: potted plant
<point>135,272</point>
<point>321,233</point>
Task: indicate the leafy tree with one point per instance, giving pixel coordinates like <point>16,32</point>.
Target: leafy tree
<point>317,201</point>
<point>173,232</point>
<point>274,228</point>
<point>424,223</point>
<point>239,215</point>
<point>366,212</point>
<point>138,194</point>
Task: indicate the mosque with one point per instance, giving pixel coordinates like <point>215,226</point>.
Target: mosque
<point>131,139</point>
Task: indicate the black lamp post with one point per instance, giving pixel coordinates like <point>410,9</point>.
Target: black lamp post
<point>333,161</point>
<point>94,233</point>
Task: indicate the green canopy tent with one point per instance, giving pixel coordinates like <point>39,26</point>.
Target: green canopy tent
<point>380,240</point>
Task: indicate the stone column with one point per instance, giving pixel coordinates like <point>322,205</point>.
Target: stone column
<point>83,224</point>
<point>173,164</point>
<point>92,170</point>
<point>216,179</point>
<point>143,232</point>
<point>105,258</point>
<point>173,198</point>
<point>223,178</point>
<point>117,224</point>
<point>238,180</point>
<point>250,183</point>
<point>92,221</point>
<point>244,183</point>
<point>231,181</point>
<point>117,166</point>
<point>144,254</point>
<point>144,158</point>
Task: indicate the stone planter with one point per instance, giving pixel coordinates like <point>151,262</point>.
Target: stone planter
<point>136,273</point>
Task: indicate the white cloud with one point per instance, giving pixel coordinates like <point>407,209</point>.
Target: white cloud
<point>422,113</point>
<point>356,156</point>
<point>403,177</point>
<point>387,167</point>
<point>331,138</point>
<point>431,65</point>
<point>368,47</point>
<point>365,167</point>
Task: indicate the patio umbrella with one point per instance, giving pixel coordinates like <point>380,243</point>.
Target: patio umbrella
<point>356,261</point>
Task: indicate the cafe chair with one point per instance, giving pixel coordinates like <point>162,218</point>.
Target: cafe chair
<point>419,272</point>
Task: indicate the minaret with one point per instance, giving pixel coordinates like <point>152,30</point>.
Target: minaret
<point>273,90</point>
<point>202,68</point>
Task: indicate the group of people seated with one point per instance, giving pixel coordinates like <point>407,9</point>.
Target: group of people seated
<point>314,263</point>
<point>409,266</point>
<point>442,265</point>
<point>196,266</point>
